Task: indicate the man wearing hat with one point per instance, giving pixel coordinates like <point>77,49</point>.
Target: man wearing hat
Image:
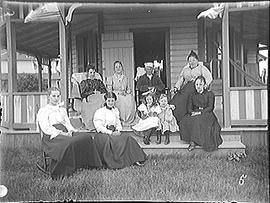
<point>149,82</point>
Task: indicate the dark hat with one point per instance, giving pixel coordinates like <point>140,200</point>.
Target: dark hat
<point>193,54</point>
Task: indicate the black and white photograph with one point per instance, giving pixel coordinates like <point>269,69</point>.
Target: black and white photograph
<point>134,100</point>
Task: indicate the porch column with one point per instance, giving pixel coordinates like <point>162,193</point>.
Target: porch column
<point>201,40</point>
<point>100,30</point>
<point>50,74</point>
<point>226,68</point>
<point>39,60</point>
<point>63,60</point>
<point>12,69</point>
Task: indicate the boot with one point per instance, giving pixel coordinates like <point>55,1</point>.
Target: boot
<point>146,137</point>
<point>158,137</point>
<point>167,137</point>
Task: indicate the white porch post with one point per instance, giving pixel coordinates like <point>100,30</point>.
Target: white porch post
<point>63,60</point>
<point>12,69</point>
<point>226,68</point>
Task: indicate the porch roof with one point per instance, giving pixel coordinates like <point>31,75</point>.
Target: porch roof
<point>42,39</point>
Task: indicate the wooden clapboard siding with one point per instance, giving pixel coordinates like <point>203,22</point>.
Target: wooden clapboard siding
<point>118,46</point>
<point>249,106</point>
<point>26,106</point>
<point>182,27</point>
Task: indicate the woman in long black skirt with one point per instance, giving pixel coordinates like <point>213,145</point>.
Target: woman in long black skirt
<point>200,126</point>
<point>68,149</point>
<point>116,149</point>
<point>185,84</point>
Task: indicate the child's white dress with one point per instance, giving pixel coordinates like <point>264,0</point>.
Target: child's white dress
<point>167,120</point>
<point>149,122</point>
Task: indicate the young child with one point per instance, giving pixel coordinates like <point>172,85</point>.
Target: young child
<point>167,120</point>
<point>149,121</point>
<point>200,126</point>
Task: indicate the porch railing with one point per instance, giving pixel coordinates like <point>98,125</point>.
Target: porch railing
<point>26,106</point>
<point>249,106</point>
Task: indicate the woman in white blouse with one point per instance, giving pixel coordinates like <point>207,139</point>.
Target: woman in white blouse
<point>116,148</point>
<point>67,148</point>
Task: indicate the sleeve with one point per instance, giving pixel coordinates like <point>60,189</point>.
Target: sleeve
<point>207,75</point>
<point>102,87</point>
<point>158,109</point>
<point>43,121</point>
<point>180,80</point>
<point>142,85</point>
<point>84,89</point>
<point>159,84</point>
<point>190,104</point>
<point>99,122</point>
<point>118,122</point>
<point>142,107</point>
<point>67,123</point>
<point>127,84</point>
<point>109,83</point>
<point>211,103</point>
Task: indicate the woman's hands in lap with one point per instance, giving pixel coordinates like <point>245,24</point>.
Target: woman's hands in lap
<point>116,133</point>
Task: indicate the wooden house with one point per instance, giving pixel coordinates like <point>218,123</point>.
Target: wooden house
<point>134,32</point>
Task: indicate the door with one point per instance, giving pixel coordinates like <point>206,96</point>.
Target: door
<point>118,47</point>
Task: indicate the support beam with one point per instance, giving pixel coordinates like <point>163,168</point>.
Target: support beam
<point>226,68</point>
<point>50,74</point>
<point>12,69</point>
<point>63,60</point>
<point>99,47</point>
<point>202,40</point>
<point>39,60</point>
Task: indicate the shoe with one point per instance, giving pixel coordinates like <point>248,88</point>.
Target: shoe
<point>191,147</point>
<point>146,140</point>
<point>139,163</point>
<point>158,137</point>
<point>167,137</point>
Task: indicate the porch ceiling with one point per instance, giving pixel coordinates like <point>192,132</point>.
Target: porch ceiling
<point>38,39</point>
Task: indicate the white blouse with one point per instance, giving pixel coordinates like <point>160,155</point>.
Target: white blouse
<point>190,74</point>
<point>143,108</point>
<point>49,115</point>
<point>104,117</point>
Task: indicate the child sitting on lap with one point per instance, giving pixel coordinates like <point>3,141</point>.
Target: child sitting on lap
<point>149,121</point>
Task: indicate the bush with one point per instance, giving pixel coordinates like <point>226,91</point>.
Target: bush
<point>28,82</point>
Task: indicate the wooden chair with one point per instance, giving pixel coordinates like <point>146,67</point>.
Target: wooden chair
<point>46,158</point>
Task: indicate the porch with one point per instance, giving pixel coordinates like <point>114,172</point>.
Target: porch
<point>241,104</point>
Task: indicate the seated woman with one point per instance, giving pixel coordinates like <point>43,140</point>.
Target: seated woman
<point>93,90</point>
<point>119,84</point>
<point>185,84</point>
<point>117,149</point>
<point>200,126</point>
<point>67,148</point>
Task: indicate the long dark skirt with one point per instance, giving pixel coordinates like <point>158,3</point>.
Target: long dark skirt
<point>118,152</point>
<point>202,129</point>
<point>71,153</point>
<point>180,101</point>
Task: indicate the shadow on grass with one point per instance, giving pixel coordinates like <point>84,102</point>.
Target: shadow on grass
<point>174,177</point>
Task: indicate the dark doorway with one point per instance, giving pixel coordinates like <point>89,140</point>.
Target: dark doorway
<point>150,46</point>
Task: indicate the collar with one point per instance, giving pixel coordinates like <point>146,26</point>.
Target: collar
<point>110,108</point>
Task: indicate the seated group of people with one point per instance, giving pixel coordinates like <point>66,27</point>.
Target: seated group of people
<point>190,112</point>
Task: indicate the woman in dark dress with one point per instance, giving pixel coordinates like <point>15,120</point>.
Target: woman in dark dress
<point>93,90</point>
<point>68,149</point>
<point>185,84</point>
<point>200,126</point>
<point>116,148</point>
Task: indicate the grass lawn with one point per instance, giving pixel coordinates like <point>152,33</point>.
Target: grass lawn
<point>175,177</point>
